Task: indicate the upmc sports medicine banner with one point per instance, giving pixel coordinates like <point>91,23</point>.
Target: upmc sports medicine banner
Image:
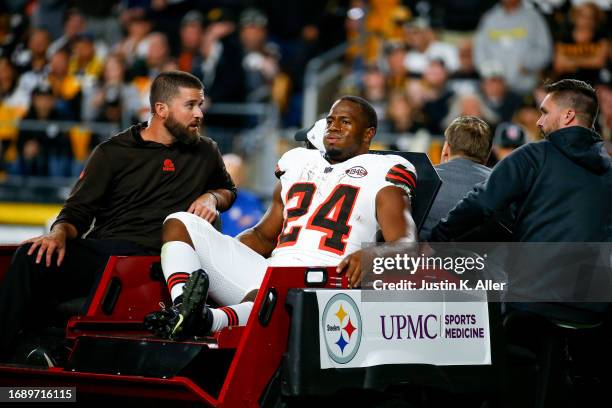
<point>356,334</point>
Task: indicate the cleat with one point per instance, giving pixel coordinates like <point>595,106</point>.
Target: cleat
<point>185,319</point>
<point>162,322</point>
<point>195,293</point>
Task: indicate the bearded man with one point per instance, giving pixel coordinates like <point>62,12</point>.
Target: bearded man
<point>131,183</point>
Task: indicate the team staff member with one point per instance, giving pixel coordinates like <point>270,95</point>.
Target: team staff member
<point>562,186</point>
<point>561,189</point>
<point>462,165</point>
<point>131,183</point>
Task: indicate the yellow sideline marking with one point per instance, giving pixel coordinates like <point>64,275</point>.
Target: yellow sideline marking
<point>27,213</point>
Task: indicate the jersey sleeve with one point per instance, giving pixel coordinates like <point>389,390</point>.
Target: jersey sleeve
<point>401,173</point>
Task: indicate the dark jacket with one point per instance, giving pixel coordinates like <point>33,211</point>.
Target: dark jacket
<point>561,187</point>
<point>459,176</point>
<point>561,190</point>
<point>130,185</point>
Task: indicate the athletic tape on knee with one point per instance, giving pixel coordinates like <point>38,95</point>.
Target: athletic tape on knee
<point>178,260</point>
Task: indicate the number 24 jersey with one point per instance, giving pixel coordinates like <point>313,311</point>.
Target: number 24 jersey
<point>330,209</point>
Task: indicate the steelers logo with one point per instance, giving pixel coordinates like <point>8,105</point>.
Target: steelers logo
<point>341,325</point>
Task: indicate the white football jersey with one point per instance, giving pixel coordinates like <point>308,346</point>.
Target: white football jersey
<point>330,209</point>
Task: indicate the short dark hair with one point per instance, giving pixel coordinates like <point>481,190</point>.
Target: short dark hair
<point>166,85</point>
<point>577,95</point>
<point>470,136</point>
<point>366,109</point>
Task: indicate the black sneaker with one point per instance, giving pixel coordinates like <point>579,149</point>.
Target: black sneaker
<point>193,306</point>
<point>161,323</point>
<point>184,319</point>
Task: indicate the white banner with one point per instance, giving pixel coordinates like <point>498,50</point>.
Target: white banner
<point>353,333</point>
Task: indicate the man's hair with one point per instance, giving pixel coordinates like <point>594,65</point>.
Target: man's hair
<point>166,86</point>
<point>575,94</point>
<point>367,109</point>
<point>469,136</point>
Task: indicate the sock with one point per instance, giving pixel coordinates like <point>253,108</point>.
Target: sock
<point>178,261</point>
<point>235,315</point>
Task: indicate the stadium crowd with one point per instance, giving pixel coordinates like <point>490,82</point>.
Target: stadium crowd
<point>422,64</point>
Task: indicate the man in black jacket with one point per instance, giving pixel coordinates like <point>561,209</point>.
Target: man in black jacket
<point>130,184</point>
<point>562,186</point>
<point>561,189</point>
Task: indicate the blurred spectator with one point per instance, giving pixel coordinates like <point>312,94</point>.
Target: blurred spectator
<point>137,26</point>
<point>65,87</point>
<point>74,24</point>
<point>374,89</point>
<point>358,54</point>
<point>508,136</point>
<point>384,20</point>
<point>261,57</point>
<point>13,105</point>
<point>144,70</point>
<point>470,104</point>
<point>397,73</point>
<point>519,39</point>
<point>43,152</point>
<point>400,115</point>
<point>101,19</point>
<point>113,100</point>
<point>583,50</point>
<point>10,95</point>
<point>424,47</point>
<point>191,36</point>
<point>84,63</point>
<point>248,208</point>
<point>294,64</point>
<point>49,14</point>
<point>157,54</point>
<point>495,92</point>
<point>431,94</point>
<point>465,79</point>
<point>604,93</point>
<point>466,60</point>
<point>12,30</point>
<point>401,118</point>
<point>167,15</point>
<point>33,57</point>
<point>219,64</point>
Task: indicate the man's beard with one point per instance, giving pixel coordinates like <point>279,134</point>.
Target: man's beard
<point>182,133</point>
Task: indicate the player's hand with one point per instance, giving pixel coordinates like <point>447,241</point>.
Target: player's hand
<point>205,207</point>
<point>351,265</point>
<point>51,243</point>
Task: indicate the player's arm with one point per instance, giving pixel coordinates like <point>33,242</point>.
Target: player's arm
<point>393,212</point>
<point>262,237</point>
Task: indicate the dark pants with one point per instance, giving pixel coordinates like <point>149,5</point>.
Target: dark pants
<point>30,292</point>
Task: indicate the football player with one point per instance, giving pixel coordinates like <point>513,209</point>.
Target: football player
<point>328,201</point>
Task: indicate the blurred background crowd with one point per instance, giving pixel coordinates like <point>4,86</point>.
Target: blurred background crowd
<point>74,72</point>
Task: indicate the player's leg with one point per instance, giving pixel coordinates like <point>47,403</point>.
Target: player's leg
<point>233,270</point>
<point>178,257</point>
